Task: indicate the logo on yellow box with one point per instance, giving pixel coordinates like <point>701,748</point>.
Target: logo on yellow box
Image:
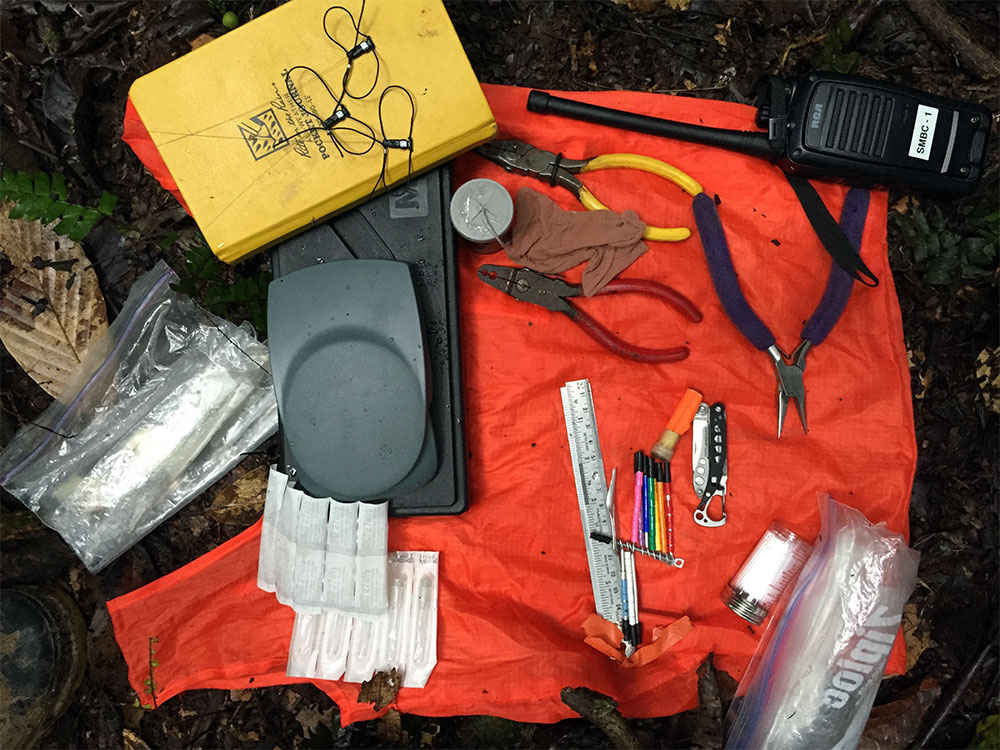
<point>263,134</point>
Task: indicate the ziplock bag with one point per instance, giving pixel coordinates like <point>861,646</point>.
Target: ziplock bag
<point>812,681</point>
<point>163,404</point>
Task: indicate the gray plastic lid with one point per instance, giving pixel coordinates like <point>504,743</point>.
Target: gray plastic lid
<point>349,374</point>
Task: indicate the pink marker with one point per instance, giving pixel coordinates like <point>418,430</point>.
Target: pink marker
<point>637,508</point>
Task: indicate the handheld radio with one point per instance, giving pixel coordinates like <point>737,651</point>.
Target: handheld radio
<point>836,127</point>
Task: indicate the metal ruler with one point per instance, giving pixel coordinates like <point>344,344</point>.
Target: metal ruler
<point>591,493</point>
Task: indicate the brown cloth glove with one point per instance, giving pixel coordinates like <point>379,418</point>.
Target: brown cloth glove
<point>549,239</point>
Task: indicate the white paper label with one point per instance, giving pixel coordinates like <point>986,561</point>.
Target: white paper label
<point>310,554</point>
<point>267,563</point>
<point>923,132</point>
<point>341,548</point>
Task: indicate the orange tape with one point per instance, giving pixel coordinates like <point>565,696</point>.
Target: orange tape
<point>605,637</point>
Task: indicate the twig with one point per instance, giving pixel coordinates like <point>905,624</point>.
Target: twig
<point>603,712</point>
<point>951,35</point>
<point>150,682</point>
<point>862,14</point>
<point>804,43</point>
<point>956,690</point>
<point>41,150</point>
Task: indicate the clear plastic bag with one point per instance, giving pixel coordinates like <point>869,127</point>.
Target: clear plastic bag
<point>812,681</point>
<point>163,404</point>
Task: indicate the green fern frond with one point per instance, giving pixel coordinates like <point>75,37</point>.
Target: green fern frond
<point>43,198</point>
<point>205,278</point>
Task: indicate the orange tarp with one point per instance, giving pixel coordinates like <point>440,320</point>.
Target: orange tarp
<point>515,590</point>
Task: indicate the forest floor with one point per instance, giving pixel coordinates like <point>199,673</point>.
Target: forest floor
<point>66,69</point>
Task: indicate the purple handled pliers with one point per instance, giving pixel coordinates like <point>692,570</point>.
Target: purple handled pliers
<point>788,367</point>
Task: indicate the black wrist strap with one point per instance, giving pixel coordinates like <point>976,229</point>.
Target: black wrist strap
<point>829,231</point>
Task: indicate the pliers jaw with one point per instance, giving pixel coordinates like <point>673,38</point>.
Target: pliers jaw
<point>789,370</point>
<point>523,158</point>
<point>528,286</point>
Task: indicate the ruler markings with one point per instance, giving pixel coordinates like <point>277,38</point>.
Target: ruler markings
<point>591,490</point>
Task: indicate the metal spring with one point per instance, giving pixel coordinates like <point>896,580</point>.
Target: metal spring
<point>665,557</point>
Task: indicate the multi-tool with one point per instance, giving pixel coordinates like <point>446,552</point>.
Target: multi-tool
<point>708,461</point>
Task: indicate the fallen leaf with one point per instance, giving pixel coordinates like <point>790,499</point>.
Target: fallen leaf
<point>51,308</point>
<point>987,733</point>
<point>916,633</point>
<point>895,725</point>
<point>706,719</point>
<point>381,689</point>
<point>242,502</point>
<point>988,377</point>
<point>926,378</point>
<point>583,53</point>
<point>240,696</point>
<point>132,741</point>
<point>20,524</point>
<point>201,40</point>
<point>903,204</point>
<point>428,733</point>
<point>194,526</point>
<point>390,729</point>
<point>310,719</point>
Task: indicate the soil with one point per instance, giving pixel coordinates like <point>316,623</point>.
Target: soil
<point>66,69</point>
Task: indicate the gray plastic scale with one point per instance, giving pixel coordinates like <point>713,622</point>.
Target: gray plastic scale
<point>330,376</point>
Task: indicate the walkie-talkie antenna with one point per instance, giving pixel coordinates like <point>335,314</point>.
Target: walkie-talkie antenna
<point>743,141</point>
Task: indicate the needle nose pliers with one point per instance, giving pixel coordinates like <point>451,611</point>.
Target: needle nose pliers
<point>788,368</point>
<point>552,293</point>
<point>523,158</point>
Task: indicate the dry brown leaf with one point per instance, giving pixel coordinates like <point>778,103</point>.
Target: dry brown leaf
<point>988,377</point>
<point>390,729</point>
<point>428,733</point>
<point>310,719</point>
<point>916,633</point>
<point>52,307</point>
<point>132,741</point>
<point>242,502</point>
<point>201,40</point>
<point>381,689</point>
<point>895,724</point>
<point>647,6</point>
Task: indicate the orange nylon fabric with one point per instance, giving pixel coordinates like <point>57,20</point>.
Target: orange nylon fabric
<point>515,590</point>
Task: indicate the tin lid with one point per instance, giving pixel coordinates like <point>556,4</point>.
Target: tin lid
<point>743,605</point>
<point>482,210</point>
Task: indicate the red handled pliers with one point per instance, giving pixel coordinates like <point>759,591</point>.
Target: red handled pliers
<point>551,293</point>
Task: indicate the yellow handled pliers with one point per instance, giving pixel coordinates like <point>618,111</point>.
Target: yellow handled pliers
<point>523,158</point>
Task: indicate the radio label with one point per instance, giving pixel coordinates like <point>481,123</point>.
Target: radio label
<point>923,132</point>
